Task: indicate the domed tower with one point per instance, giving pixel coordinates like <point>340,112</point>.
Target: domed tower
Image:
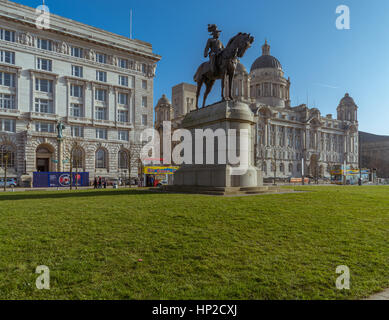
<point>268,85</point>
<point>163,112</point>
<point>240,84</point>
<point>347,109</point>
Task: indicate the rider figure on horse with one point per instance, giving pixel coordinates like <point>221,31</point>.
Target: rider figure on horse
<point>214,47</point>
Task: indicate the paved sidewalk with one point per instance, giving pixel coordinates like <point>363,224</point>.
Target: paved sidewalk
<point>384,295</point>
<point>18,189</point>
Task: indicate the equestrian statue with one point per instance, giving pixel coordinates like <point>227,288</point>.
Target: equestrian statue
<point>222,62</point>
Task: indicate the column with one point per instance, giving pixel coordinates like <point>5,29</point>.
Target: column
<point>32,75</point>
<point>68,98</point>
<point>93,91</point>
<point>116,106</point>
<point>265,134</point>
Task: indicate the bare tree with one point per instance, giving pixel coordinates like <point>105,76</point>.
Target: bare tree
<point>5,157</point>
<point>274,164</point>
<point>75,159</point>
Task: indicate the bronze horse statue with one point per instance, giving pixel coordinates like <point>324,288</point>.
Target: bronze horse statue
<point>226,64</point>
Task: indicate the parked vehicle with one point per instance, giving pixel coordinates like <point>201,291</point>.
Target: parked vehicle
<point>162,183</point>
<point>11,182</point>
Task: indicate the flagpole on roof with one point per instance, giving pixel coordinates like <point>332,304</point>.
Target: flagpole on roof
<point>131,24</point>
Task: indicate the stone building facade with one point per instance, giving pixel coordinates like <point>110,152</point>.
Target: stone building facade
<point>99,85</point>
<point>289,137</point>
<point>374,151</point>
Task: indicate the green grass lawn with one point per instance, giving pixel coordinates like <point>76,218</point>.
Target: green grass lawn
<point>284,246</point>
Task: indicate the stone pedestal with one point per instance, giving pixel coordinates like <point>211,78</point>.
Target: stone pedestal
<point>220,177</point>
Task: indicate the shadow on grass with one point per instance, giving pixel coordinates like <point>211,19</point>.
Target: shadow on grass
<point>73,194</point>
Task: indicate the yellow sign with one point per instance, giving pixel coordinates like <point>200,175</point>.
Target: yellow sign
<point>160,170</point>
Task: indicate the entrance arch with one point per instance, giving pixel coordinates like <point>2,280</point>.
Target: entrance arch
<point>44,157</point>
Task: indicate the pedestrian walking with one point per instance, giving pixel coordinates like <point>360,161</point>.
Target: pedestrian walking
<point>95,183</point>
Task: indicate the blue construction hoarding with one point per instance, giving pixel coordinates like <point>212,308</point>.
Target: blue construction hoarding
<point>59,179</point>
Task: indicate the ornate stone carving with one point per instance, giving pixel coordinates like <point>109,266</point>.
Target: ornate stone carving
<point>90,54</point>
<point>64,48</point>
<point>26,39</point>
<point>151,71</point>
<point>115,61</point>
<point>29,126</point>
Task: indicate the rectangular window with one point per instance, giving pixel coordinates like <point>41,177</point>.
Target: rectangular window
<point>144,68</point>
<point>144,119</point>
<point>45,44</point>
<point>7,101</point>
<point>101,95</point>
<point>101,134</point>
<point>77,52</point>
<point>7,79</point>
<point>77,71</point>
<point>123,98</point>
<point>144,102</point>
<point>77,131</point>
<point>43,106</point>
<point>76,110</point>
<point>44,64</point>
<point>122,116</point>
<point>7,57</point>
<point>44,127</point>
<point>101,113</point>
<point>101,76</point>
<point>7,35</point>
<point>123,135</point>
<point>144,84</point>
<point>123,81</point>
<point>8,125</point>
<point>123,63</point>
<point>76,91</point>
<point>44,85</point>
<point>101,57</point>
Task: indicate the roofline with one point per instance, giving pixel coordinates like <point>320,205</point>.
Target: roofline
<point>26,15</point>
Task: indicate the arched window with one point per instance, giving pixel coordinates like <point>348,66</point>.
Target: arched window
<point>101,159</point>
<point>123,159</point>
<point>290,167</point>
<point>264,167</point>
<point>7,156</point>
<point>282,167</point>
<point>77,158</point>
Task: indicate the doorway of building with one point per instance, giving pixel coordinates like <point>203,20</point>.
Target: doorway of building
<point>43,159</point>
<point>42,165</point>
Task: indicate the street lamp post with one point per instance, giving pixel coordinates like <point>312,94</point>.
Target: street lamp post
<point>345,171</point>
<point>302,172</point>
<point>359,159</point>
<point>5,162</point>
<point>275,167</point>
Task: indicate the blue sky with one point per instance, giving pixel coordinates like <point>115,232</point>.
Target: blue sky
<point>323,63</point>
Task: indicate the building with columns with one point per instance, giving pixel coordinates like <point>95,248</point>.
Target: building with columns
<point>99,85</point>
<point>288,137</point>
